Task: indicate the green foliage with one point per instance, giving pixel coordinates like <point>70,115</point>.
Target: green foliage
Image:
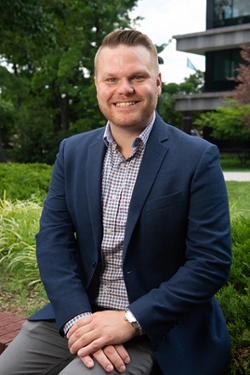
<point>234,297</point>
<point>24,25</point>
<point>242,89</point>
<point>161,47</point>
<point>230,163</point>
<point>192,84</point>
<point>230,122</point>
<point>227,122</point>
<point>49,47</point>
<point>167,110</point>
<point>7,121</point>
<point>16,295</point>
<point>238,193</point>
<point>19,222</point>
<point>24,181</point>
<point>27,186</point>
<point>36,138</point>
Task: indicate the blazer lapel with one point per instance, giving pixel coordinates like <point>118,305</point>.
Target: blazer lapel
<point>94,185</point>
<point>154,155</point>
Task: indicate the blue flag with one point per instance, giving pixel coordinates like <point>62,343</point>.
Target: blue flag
<point>190,65</point>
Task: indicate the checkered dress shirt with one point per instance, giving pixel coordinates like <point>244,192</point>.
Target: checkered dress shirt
<point>108,288</point>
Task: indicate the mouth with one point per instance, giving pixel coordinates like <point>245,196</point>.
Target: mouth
<point>125,104</point>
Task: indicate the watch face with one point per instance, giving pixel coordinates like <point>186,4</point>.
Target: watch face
<point>132,320</point>
<point>130,317</point>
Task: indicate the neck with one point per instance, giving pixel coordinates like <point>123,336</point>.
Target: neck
<point>124,140</point>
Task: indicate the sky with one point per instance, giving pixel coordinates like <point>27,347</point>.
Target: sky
<point>165,18</point>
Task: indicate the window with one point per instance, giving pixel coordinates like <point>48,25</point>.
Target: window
<point>221,65</point>
<point>231,12</point>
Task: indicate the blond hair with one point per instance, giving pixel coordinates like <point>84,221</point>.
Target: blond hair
<point>129,38</point>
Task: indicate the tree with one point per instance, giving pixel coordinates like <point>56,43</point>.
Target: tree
<point>231,123</point>
<point>242,90</point>
<point>26,29</point>
<point>192,84</point>
<point>228,123</point>
<point>49,48</point>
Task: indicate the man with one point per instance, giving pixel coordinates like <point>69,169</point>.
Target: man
<point>134,239</point>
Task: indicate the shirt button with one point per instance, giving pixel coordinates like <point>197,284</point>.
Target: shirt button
<point>105,288</point>
<point>109,230</point>
<point>107,258</point>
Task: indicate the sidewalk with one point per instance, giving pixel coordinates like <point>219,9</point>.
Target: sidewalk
<point>237,176</point>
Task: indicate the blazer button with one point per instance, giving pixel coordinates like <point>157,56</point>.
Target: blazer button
<point>94,264</point>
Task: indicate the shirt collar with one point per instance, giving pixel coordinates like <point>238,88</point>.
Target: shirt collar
<point>108,138</point>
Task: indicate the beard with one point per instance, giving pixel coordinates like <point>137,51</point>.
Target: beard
<point>136,117</point>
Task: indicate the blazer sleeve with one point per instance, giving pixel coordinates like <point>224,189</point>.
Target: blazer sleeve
<point>57,250</point>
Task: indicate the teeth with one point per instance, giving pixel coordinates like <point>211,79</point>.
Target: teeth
<point>125,104</point>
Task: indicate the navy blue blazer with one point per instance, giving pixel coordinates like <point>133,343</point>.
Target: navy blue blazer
<point>177,246</point>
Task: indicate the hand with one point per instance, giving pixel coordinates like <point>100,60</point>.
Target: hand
<point>101,334</point>
<point>109,357</point>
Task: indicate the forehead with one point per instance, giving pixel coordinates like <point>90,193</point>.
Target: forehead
<point>124,57</point>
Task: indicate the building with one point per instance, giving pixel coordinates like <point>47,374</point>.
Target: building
<point>227,27</point>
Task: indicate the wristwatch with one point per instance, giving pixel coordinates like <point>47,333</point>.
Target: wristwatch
<point>129,317</point>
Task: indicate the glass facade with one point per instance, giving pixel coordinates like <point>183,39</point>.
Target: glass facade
<point>231,12</point>
<point>221,65</point>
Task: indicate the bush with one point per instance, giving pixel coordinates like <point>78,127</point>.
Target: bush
<point>19,222</point>
<point>24,181</point>
<point>234,297</point>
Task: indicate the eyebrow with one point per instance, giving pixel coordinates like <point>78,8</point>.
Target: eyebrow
<point>135,73</point>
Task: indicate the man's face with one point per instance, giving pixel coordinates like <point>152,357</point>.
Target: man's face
<point>128,85</point>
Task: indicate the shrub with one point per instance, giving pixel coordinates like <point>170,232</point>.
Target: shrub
<point>19,222</point>
<point>234,297</point>
<point>24,181</point>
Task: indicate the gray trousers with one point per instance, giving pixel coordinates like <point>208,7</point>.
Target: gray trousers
<point>40,350</point>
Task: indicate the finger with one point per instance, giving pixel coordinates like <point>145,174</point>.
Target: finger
<point>88,361</point>
<point>79,323</point>
<point>84,344</point>
<point>84,341</point>
<point>75,333</point>
<point>113,355</point>
<point>88,349</point>
<point>101,358</point>
<point>123,353</point>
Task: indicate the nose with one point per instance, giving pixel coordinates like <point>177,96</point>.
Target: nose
<point>125,87</point>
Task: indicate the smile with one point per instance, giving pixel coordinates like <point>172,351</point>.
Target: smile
<point>125,104</point>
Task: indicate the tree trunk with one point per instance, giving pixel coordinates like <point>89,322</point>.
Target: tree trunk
<point>64,103</point>
<point>2,154</point>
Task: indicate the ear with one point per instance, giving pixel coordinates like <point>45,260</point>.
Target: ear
<point>158,83</point>
<point>95,81</point>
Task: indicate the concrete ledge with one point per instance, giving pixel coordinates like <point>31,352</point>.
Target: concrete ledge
<point>205,101</point>
<point>237,176</point>
<point>214,39</point>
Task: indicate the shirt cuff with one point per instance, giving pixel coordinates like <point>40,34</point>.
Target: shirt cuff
<point>72,321</point>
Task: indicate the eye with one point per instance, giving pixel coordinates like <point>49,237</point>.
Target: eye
<point>112,80</point>
<point>138,78</point>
